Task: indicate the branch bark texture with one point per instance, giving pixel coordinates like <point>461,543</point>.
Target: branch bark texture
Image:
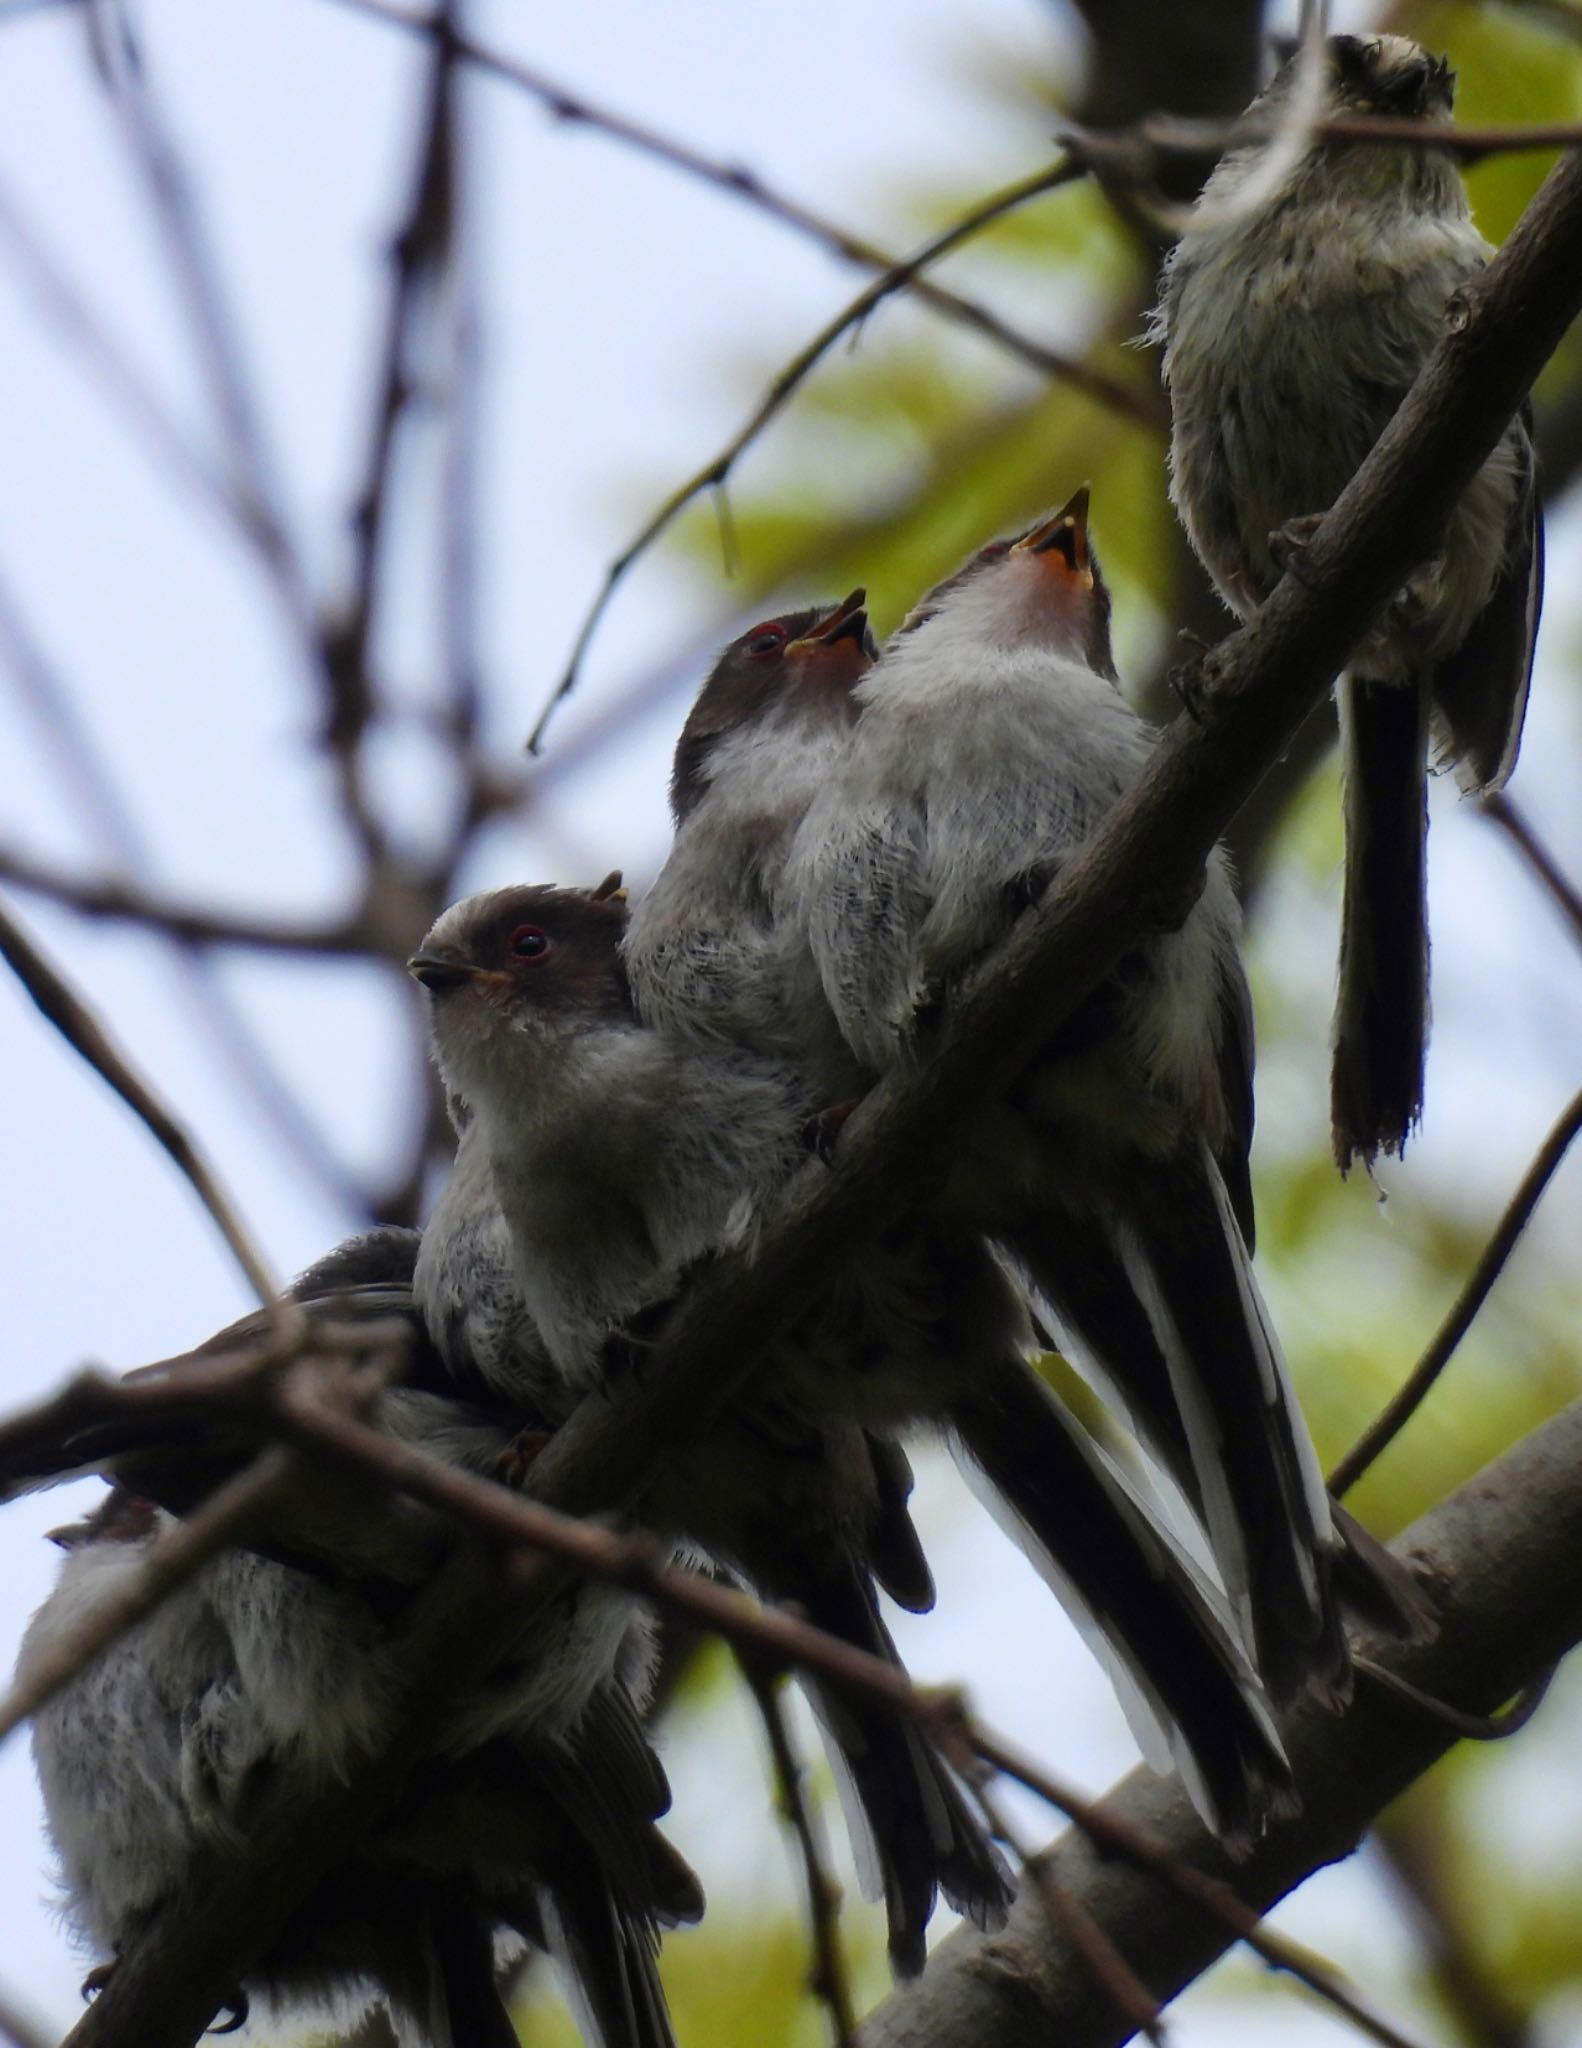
<point>1501,1556</point>
<point>1257,688</point>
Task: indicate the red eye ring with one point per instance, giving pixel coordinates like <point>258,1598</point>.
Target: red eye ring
<point>528,943</point>
<point>766,639</point>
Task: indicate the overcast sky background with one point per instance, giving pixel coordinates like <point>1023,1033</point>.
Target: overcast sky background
<point>621,306</point>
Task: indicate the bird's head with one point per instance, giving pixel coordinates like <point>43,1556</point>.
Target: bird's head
<point>803,665</point>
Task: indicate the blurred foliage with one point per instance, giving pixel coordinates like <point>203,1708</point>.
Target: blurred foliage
<point>901,455</point>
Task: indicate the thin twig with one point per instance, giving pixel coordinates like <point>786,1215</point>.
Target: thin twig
<point>77,1024</point>
<point>717,472</point>
<point>771,1638</point>
<point>737,182</point>
<point>1173,135</point>
<point>64,307</point>
<point>170,1560</point>
<point>1514,824</point>
<point>118,60</point>
<point>1381,1433</point>
<point>189,923</point>
<point>1112,1834</point>
<point>1075,1925</point>
<point>17,2029</point>
<point>1470,1727</point>
<point>417,260</point>
<point>106,819</point>
<point>829,1980</point>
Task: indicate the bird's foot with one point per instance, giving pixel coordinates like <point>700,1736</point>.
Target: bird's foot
<point>517,1459</point>
<point>1288,544</point>
<point>821,1133</point>
<point>1191,680</point>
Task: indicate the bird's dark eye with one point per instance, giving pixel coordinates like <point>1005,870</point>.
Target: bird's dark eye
<point>527,942</point>
<point>767,639</point>
<point>995,550</point>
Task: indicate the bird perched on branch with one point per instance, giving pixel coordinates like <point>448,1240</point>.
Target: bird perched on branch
<point>532,1820</point>
<point>1294,321</point>
<point>990,741</point>
<point>593,1124</point>
<point>617,1160</point>
<point>703,951</point>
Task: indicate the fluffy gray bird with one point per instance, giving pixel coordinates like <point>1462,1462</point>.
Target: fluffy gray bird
<point>990,742</point>
<point>533,1821</point>
<point>711,959</point>
<point>617,1160</point>
<point>583,1110</point>
<point>1292,329</point>
<point>703,951</point>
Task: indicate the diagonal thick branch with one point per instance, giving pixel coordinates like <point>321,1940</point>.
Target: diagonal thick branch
<point>1501,1554</point>
<point>1257,687</point>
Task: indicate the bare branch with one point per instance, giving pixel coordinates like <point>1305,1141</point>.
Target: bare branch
<point>70,315</point>
<point>1381,1433</point>
<point>738,182</point>
<point>1511,1603</point>
<point>769,1639</point>
<point>418,254</point>
<point>829,1980</point>
<point>82,1031</point>
<point>17,2029</point>
<point>1517,828</point>
<point>107,819</point>
<point>118,59</point>
<point>717,472</point>
<point>122,901</point>
<point>1071,1922</point>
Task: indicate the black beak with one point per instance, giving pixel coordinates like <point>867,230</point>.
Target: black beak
<point>439,971</point>
<point>848,621</point>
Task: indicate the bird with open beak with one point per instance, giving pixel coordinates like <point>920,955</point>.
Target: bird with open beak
<point>1293,326</point>
<point>990,741</point>
<point>607,1142</point>
<point>702,951</point>
<point>713,959</point>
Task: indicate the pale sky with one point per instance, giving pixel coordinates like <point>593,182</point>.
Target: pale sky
<point>625,310</point>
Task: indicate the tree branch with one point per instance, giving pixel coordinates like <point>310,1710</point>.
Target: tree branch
<point>716,473</point>
<point>1502,1554</point>
<point>738,182</point>
<point>1383,1431</point>
<point>189,923</point>
<point>82,1030</point>
<point>1258,685</point>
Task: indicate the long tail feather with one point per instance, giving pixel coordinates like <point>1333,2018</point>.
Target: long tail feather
<point>1130,1587</point>
<point>1262,1492</point>
<point>912,1829</point>
<point>1381,1013</point>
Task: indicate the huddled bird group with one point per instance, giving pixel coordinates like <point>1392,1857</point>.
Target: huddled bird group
<point>856,829</point>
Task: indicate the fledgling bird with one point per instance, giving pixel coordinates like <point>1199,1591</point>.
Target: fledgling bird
<point>1292,330</point>
<point>703,952</point>
<point>711,958</point>
<point>618,1160</point>
<point>166,1747</point>
<point>583,1110</point>
<point>990,742</point>
<point>534,1818</point>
